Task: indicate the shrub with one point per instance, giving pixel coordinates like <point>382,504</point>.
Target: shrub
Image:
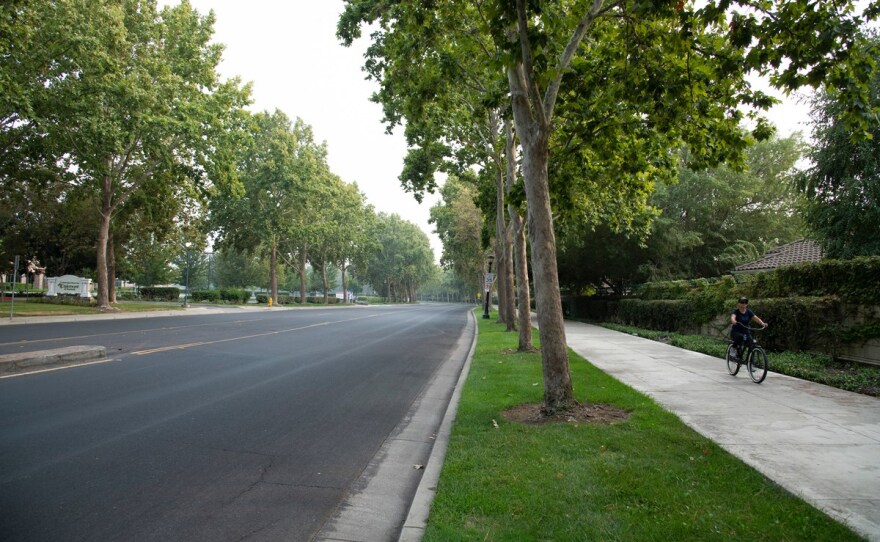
<point>852,280</point>
<point>671,289</point>
<point>596,308</point>
<point>65,300</point>
<point>127,294</point>
<point>234,295</point>
<point>374,299</point>
<point>154,293</point>
<point>798,323</point>
<point>206,296</point>
<point>665,315</point>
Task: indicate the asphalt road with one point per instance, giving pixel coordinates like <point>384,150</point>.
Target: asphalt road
<point>222,427</point>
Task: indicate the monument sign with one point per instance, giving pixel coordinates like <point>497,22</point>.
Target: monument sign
<point>69,285</point>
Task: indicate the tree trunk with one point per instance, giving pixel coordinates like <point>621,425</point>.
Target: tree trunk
<point>524,301</point>
<point>344,287</point>
<point>534,136</point>
<point>273,272</point>
<point>111,270</point>
<point>502,257</point>
<point>499,240</point>
<point>510,293</point>
<point>520,255</point>
<point>103,239</point>
<point>324,281</point>
<point>499,287</point>
<point>302,277</point>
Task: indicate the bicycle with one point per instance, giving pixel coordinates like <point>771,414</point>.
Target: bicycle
<point>755,358</point>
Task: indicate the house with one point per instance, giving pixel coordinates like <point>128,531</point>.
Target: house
<point>801,251</point>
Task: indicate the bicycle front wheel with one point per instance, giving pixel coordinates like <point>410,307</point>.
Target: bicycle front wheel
<point>732,362</point>
<point>758,365</point>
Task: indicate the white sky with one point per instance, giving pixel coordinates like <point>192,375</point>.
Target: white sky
<point>289,50</point>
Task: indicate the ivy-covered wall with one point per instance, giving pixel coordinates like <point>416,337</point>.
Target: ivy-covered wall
<point>831,305</point>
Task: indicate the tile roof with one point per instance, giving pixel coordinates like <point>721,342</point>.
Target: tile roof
<point>804,250</point>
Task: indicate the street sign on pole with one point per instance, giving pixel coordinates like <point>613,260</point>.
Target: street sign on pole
<point>490,278</point>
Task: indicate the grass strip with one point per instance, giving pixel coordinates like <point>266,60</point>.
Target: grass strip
<point>648,478</point>
<point>820,368</point>
<point>26,308</point>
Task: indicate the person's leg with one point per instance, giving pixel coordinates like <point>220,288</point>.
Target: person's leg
<point>737,338</point>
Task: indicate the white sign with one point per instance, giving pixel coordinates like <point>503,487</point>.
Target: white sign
<point>490,278</point>
<point>69,285</point>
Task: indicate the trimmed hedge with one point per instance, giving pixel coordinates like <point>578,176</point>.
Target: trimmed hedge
<point>295,300</point>
<point>65,300</point>
<point>205,296</point>
<point>235,295</point>
<point>821,305</point>
<point>153,293</point>
<point>663,315</point>
<point>232,295</point>
<point>853,281</point>
<point>799,323</point>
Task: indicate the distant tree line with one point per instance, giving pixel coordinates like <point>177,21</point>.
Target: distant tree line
<point>123,155</point>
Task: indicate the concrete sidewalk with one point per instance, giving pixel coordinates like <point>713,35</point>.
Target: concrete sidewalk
<point>818,442</point>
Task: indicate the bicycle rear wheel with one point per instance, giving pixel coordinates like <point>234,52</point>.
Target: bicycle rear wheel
<point>758,365</point>
<point>732,362</point>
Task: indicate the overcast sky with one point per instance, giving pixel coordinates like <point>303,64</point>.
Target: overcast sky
<point>289,50</point>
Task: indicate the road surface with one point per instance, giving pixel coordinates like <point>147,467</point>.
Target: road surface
<point>222,427</point>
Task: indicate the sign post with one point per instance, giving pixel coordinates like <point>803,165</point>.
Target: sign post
<point>487,289</point>
<point>489,278</point>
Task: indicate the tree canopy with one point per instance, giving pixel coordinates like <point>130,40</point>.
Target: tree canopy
<point>613,84</point>
<point>709,222</point>
<point>124,102</point>
<point>117,136</point>
<point>842,187</point>
<point>403,262</point>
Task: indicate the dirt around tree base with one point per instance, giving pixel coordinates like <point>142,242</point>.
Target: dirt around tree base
<point>533,414</point>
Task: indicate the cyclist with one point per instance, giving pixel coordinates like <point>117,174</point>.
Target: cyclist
<point>740,318</point>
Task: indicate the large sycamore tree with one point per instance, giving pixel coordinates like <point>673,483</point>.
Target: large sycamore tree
<point>124,99</point>
<point>629,81</point>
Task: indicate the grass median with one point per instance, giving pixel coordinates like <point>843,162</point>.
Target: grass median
<point>30,308</point>
<point>647,478</point>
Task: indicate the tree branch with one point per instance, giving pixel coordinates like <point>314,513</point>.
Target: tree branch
<point>527,74</point>
<point>565,60</point>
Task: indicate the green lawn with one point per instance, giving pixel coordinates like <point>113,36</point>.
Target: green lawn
<point>648,478</point>
<point>26,308</point>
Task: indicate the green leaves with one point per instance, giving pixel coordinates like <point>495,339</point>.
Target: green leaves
<point>117,104</point>
<point>843,185</point>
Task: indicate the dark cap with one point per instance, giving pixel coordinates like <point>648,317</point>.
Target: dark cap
<point>744,299</point>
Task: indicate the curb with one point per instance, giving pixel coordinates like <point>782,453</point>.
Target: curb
<point>11,363</point>
<point>417,519</point>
